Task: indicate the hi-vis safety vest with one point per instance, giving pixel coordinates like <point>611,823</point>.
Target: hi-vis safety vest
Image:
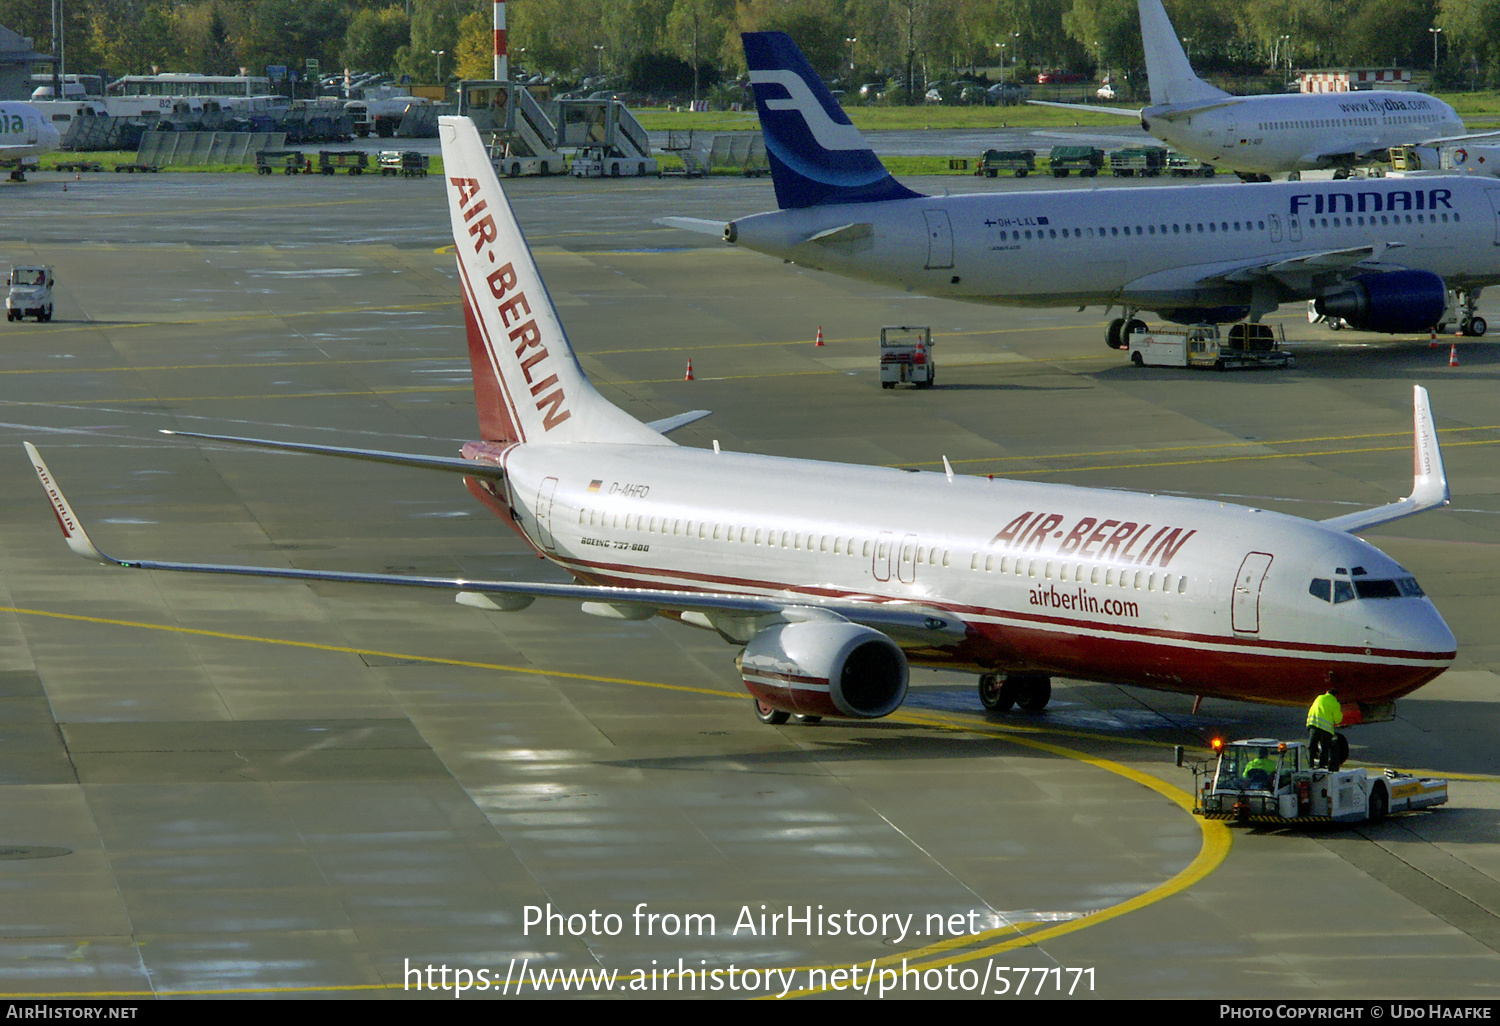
<point>1325,713</point>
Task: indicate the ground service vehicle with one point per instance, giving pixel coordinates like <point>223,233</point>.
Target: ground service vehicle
<point>597,162</point>
<point>1022,162</point>
<point>1248,346</point>
<point>906,357</point>
<point>1262,780</point>
<point>1142,161</point>
<point>291,162</point>
<point>1182,166</point>
<point>355,161</point>
<point>1086,160</point>
<point>29,293</point>
<point>406,163</point>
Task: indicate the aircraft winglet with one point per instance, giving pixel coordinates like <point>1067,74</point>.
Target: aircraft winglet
<point>73,532</point>
<point>1429,488</point>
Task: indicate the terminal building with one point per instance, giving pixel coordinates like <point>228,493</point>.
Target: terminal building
<point>17,55</point>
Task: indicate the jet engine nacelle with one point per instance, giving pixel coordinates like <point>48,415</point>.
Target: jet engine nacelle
<point>826,668</point>
<point>1396,301</point>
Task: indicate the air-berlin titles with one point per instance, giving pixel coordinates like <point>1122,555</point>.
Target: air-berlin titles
<point>1091,538</point>
<point>526,335</point>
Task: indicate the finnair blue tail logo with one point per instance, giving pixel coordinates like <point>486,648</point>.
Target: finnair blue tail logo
<point>829,134</point>
<point>816,155</point>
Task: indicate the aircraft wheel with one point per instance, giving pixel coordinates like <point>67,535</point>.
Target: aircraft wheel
<point>995,693</point>
<point>1033,691</point>
<point>1476,327</point>
<point>1380,803</point>
<point>1340,753</point>
<point>769,714</point>
<point>1137,359</point>
<point>1114,334</point>
<point>809,719</point>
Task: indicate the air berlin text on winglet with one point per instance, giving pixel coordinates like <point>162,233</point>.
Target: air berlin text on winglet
<point>526,335</point>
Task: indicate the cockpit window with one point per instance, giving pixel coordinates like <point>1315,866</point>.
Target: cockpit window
<point>1338,590</point>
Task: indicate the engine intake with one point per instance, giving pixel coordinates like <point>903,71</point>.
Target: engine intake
<point>1396,301</point>
<point>826,668</point>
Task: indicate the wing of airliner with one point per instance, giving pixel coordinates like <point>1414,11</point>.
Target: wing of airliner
<point>910,626</point>
<point>1300,273</point>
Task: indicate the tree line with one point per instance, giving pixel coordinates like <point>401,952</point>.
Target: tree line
<point>844,39</point>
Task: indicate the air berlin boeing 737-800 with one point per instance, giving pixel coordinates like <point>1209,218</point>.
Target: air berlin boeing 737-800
<point>835,578</point>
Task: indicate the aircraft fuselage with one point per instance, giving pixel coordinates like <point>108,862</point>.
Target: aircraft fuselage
<point>1168,247</point>
<point>1169,593</point>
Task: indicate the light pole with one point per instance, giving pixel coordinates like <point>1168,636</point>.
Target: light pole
<point>851,40</point>
<point>1434,32</point>
<point>1286,52</point>
<point>439,55</point>
<point>1001,48</point>
<point>1015,54</point>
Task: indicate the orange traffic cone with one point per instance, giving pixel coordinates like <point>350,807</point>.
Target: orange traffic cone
<point>689,375</point>
<point>1453,355</point>
<point>1433,344</point>
<point>820,335</point>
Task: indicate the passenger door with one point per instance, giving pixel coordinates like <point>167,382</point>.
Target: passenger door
<point>544,514</point>
<point>939,239</point>
<point>1245,608</point>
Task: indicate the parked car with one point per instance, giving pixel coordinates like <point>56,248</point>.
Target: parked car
<point>1007,94</point>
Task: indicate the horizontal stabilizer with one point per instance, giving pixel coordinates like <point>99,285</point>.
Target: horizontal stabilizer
<point>701,225</point>
<point>1092,108</point>
<point>669,424</point>
<point>1429,488</point>
<point>451,464</point>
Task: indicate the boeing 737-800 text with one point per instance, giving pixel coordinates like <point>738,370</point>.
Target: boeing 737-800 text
<point>836,578</point>
<point>1381,254</point>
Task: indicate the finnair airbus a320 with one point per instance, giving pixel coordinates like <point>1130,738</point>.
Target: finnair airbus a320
<point>835,578</point>
<point>1381,254</point>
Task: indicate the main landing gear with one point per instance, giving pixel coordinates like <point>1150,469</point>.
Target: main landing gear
<point>1469,322</point>
<point>1117,335</point>
<point>999,692</point>
<point>775,717</point>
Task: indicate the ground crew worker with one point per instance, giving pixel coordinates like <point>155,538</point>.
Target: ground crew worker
<point>1323,717</point>
<point>1261,770</point>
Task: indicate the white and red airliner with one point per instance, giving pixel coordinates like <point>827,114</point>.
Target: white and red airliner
<point>836,578</point>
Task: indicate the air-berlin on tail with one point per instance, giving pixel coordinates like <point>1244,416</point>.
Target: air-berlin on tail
<point>836,578</point>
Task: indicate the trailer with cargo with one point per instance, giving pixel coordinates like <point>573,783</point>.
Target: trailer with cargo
<point>1248,346</point>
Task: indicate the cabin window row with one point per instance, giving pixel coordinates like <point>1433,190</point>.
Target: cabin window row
<point>704,530</point>
<point>1115,231</point>
<point>1081,573</point>
<point>885,549</point>
<point>1211,227</point>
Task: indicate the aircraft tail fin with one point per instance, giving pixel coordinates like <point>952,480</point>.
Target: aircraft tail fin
<point>816,154</point>
<point>1172,77</point>
<point>528,385</point>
